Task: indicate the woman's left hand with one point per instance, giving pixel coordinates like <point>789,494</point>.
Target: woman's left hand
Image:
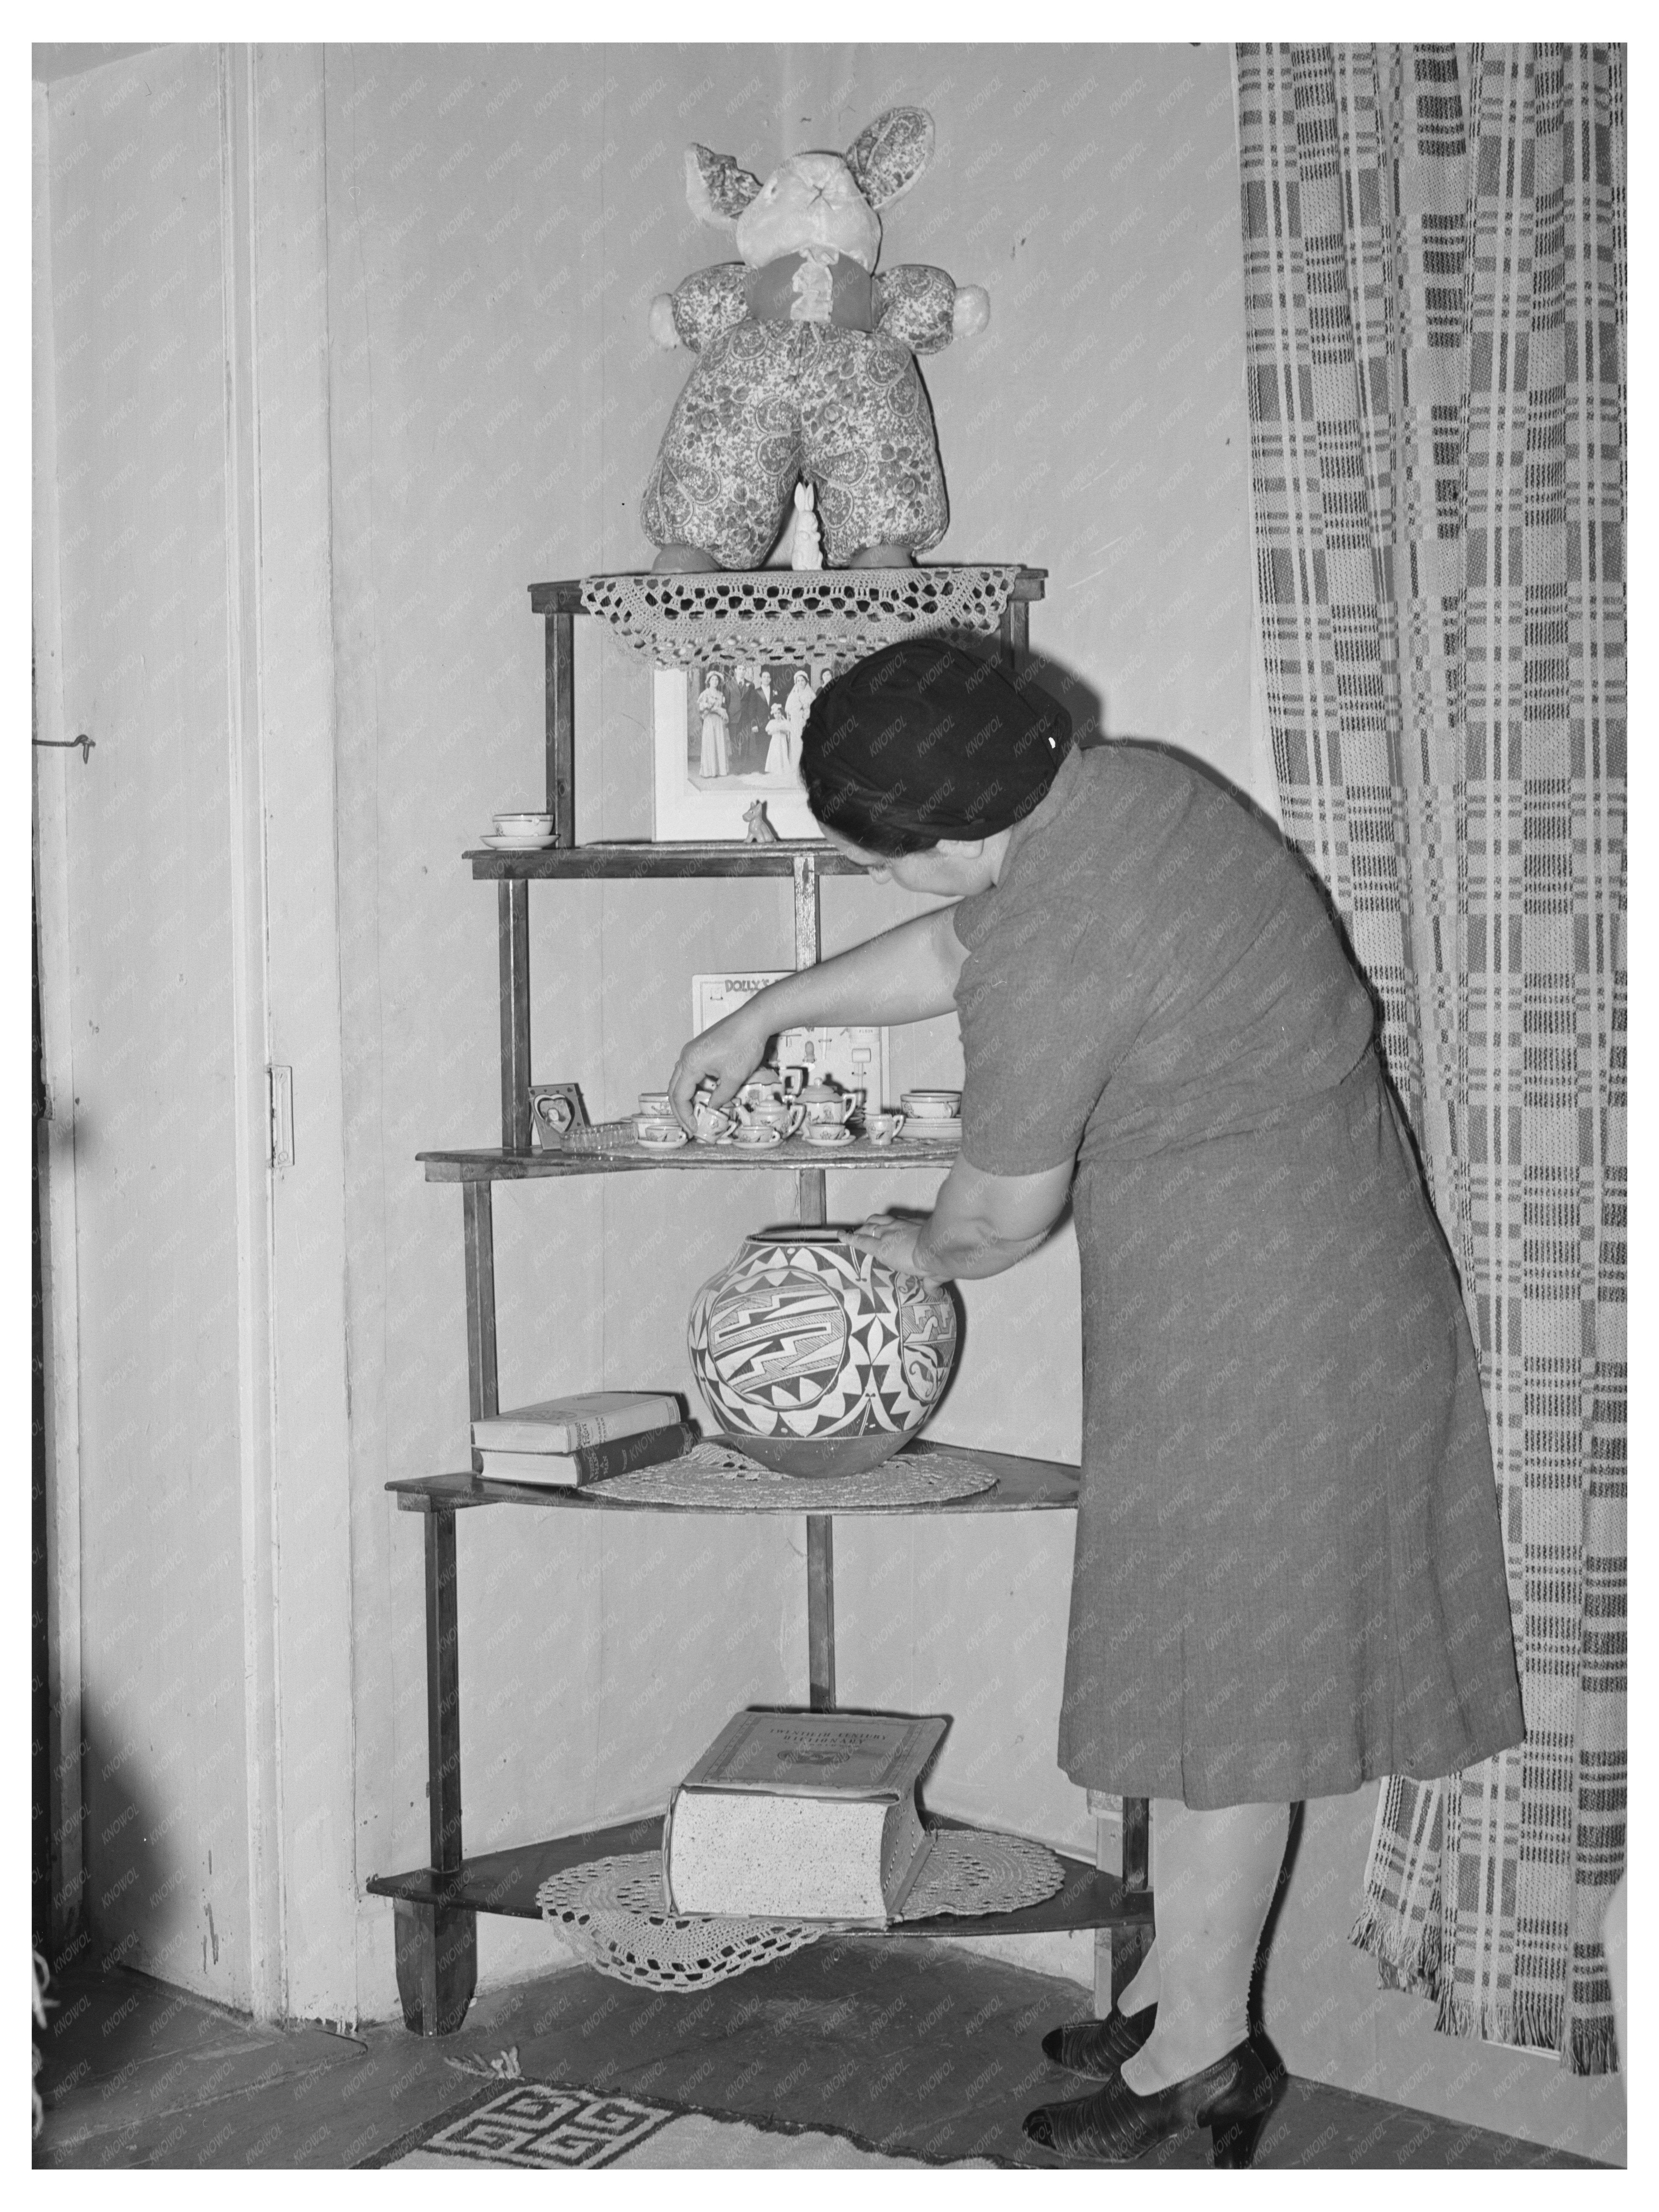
<point>892,1240</point>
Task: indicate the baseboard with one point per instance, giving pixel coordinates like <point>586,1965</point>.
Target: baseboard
<point>1065,1955</point>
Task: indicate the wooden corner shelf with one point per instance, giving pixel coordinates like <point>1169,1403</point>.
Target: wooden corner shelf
<point>611,858</point>
<point>506,1882</point>
<point>496,1165</point>
<point>1023,1486</point>
<point>436,1906</point>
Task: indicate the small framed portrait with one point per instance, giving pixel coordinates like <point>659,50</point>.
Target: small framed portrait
<point>727,737</point>
<point>555,1108</point>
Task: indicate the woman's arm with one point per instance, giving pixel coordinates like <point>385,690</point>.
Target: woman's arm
<point>981,1223</point>
<point>907,974</point>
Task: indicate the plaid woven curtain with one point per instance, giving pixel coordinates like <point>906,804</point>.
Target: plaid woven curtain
<point>1435,269</point>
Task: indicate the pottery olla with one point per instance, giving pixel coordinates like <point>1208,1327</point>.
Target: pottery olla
<point>814,1357</point>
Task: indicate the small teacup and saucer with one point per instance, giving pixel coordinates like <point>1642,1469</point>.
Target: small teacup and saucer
<point>654,1123</point>
<point>756,1135</point>
<point>827,1136</point>
<point>713,1123</point>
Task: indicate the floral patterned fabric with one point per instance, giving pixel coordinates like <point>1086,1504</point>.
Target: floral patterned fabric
<point>769,402</point>
<point>917,304</point>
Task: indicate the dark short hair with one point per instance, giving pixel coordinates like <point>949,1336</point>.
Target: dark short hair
<point>924,740</point>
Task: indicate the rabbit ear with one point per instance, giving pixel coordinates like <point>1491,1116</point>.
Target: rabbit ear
<point>889,155</point>
<point>716,190</point>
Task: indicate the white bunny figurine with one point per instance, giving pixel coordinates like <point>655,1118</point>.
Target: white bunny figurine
<point>807,549</point>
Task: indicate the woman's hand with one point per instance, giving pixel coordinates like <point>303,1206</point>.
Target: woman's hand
<point>892,1238</point>
<point>730,1052</point>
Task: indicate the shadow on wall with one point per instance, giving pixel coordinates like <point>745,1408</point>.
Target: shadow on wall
<point>133,1864</point>
<point>125,1863</point>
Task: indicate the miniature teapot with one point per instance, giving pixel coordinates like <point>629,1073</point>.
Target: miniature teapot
<point>767,1087</point>
<point>826,1102</point>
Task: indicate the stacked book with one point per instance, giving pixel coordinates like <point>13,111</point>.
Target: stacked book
<point>803,1816</point>
<point>565,1443</point>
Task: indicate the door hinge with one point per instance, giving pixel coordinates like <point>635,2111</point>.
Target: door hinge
<point>280,1082</point>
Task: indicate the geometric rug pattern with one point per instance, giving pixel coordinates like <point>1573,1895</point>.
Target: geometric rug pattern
<point>532,2124</point>
<point>546,2127</point>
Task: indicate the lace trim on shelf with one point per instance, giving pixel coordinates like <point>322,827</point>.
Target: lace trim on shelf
<point>617,1139</point>
<point>612,1911</point>
<point>722,1477</point>
<point>719,620</point>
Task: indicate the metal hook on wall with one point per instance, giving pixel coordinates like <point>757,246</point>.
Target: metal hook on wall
<point>85,742</point>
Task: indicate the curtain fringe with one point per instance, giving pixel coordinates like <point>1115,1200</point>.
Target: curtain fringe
<point>1401,1962</point>
<point>1534,2021</point>
<point>1594,2047</point>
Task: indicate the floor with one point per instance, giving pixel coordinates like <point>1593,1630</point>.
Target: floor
<point>911,2047</point>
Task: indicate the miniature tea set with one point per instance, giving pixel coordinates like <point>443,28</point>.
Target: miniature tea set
<point>773,1105</point>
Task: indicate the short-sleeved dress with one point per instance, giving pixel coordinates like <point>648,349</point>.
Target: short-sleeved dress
<point>1289,1575</point>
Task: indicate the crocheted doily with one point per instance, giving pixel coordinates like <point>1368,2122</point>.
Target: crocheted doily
<point>611,1910</point>
<point>972,1870</point>
<point>719,620</point>
<point>716,1475</point>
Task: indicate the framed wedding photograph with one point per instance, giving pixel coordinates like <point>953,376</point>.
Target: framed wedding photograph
<point>726,741</point>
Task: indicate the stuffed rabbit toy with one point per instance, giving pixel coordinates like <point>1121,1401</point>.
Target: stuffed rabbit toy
<point>806,362</point>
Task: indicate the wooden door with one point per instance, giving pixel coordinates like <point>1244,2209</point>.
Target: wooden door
<point>148,943</point>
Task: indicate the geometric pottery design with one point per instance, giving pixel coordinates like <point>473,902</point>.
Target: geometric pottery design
<point>803,1341</point>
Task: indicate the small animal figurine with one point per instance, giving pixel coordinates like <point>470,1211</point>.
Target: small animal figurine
<point>807,549</point>
<point>758,830</point>
<point>806,362</point>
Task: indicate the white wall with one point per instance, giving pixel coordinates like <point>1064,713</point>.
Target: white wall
<point>476,237</point>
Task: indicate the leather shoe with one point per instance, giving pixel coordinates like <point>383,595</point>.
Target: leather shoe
<point>1232,2097</point>
<point>1099,2046</point>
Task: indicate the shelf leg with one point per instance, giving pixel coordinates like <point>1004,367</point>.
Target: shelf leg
<point>478,1217</point>
<point>512,917</point>
<point>437,1963</point>
<point>811,1207</point>
<point>1016,634</point>
<point>1120,1950</point>
<point>821,1612</point>
<point>810,1201</point>
<point>808,940</point>
<point>437,1946</point>
<point>561,631</point>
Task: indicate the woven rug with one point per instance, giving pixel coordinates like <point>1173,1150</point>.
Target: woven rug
<point>716,1476</point>
<point>549,2127</point>
<point>610,1909</point>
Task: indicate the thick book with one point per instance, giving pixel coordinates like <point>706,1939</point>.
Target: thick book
<point>576,1424</point>
<point>577,1470</point>
<point>803,1816</point>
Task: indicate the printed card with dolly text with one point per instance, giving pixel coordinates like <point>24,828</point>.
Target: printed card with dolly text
<point>856,1056</point>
